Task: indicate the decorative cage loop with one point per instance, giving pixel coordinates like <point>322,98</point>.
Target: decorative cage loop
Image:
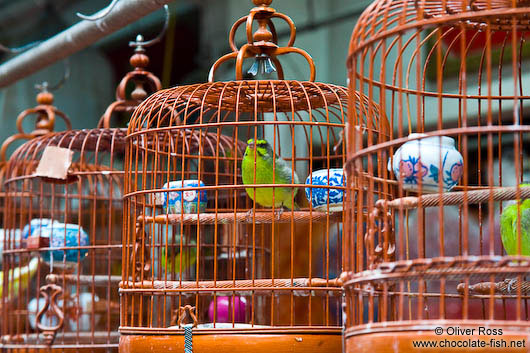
<point>385,248</point>
<point>50,292</point>
<point>140,257</point>
<point>263,43</point>
<point>144,82</point>
<point>186,316</point>
<point>44,124</point>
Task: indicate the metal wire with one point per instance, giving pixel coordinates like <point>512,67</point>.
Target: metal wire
<point>44,86</point>
<point>18,49</point>
<point>140,42</point>
<point>100,14</point>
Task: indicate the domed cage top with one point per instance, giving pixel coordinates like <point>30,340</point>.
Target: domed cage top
<point>435,238</point>
<point>63,220</point>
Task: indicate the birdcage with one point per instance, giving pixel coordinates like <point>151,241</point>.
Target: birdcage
<point>436,248</point>
<point>213,252</point>
<point>64,196</point>
<point>45,122</point>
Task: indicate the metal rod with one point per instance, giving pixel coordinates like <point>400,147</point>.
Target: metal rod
<point>75,38</point>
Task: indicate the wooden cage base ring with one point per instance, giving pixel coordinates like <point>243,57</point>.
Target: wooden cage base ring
<point>394,339</point>
<point>242,342</point>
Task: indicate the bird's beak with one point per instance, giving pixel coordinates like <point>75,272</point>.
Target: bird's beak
<point>250,145</point>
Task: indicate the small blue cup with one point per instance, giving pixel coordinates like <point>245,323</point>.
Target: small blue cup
<point>187,201</point>
<point>57,233</point>
<point>35,225</point>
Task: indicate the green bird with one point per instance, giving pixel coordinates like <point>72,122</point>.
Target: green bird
<point>509,227</point>
<point>259,157</point>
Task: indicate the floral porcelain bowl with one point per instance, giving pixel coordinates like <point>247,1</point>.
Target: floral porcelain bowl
<point>319,196</point>
<point>187,201</point>
<point>422,159</point>
<point>35,225</point>
<point>64,235</point>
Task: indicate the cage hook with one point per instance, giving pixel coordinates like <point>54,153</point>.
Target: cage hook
<point>20,49</point>
<point>141,43</point>
<point>98,15</point>
<point>46,87</point>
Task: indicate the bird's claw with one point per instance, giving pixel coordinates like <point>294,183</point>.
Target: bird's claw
<point>511,284</point>
<point>249,216</point>
<point>278,213</point>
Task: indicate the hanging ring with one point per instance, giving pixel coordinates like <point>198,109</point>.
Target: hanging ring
<point>140,42</point>
<point>45,87</point>
<point>17,50</point>
<point>98,15</point>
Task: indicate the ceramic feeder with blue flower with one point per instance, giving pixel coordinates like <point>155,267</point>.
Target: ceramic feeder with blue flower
<point>420,160</point>
<point>321,197</point>
<point>67,235</point>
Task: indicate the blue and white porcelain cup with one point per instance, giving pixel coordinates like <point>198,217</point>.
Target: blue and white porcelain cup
<point>319,196</point>
<point>186,201</point>
<point>65,235</point>
<point>35,225</point>
<point>422,160</point>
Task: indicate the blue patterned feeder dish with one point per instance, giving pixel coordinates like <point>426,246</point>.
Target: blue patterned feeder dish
<point>187,201</point>
<point>421,160</point>
<point>57,233</point>
<point>319,196</point>
<point>36,224</point>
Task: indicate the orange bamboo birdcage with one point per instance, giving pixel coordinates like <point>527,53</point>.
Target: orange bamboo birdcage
<point>45,115</point>
<point>433,238</point>
<point>203,264</point>
<point>64,195</point>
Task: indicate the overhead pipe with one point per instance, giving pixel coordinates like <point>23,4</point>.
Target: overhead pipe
<point>76,38</point>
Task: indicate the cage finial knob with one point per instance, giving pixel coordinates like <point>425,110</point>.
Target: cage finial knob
<point>45,98</point>
<point>262,2</point>
<point>139,60</point>
<point>263,34</point>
